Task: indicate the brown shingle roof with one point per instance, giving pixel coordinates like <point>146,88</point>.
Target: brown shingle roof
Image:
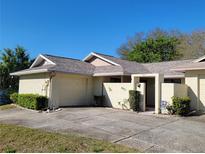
<point>166,67</point>
<point>108,69</point>
<point>63,64</point>
<point>75,66</point>
<point>190,66</point>
<point>129,67</point>
<point>69,65</point>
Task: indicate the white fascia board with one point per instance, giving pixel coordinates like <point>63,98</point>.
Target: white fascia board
<point>28,72</point>
<point>108,74</point>
<point>41,56</point>
<point>94,54</point>
<point>88,56</point>
<point>188,69</point>
<point>199,59</point>
<point>35,61</point>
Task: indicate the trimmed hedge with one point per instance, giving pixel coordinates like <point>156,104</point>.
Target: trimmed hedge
<point>134,99</point>
<point>30,101</point>
<point>180,106</point>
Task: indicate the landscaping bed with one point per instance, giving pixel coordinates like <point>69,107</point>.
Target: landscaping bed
<point>7,106</point>
<point>21,139</point>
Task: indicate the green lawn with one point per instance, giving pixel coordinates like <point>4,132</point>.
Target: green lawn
<point>21,139</point>
<point>7,106</point>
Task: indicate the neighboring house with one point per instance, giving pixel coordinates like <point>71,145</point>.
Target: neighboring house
<point>72,82</point>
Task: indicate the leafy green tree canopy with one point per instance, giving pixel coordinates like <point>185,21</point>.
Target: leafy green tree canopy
<point>11,61</point>
<point>159,45</point>
<point>154,50</point>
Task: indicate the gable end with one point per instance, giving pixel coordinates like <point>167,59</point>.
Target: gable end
<point>92,54</point>
<point>40,61</point>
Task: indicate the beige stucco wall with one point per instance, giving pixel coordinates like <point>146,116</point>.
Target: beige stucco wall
<point>99,62</point>
<point>169,90</point>
<point>117,94</point>
<point>34,84</point>
<point>201,100</point>
<point>173,89</point>
<point>98,85</point>
<point>193,92</point>
<point>72,90</point>
<point>180,90</point>
<point>142,90</point>
<point>182,80</point>
<point>192,80</point>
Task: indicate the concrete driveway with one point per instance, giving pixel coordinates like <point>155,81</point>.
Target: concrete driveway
<point>148,133</point>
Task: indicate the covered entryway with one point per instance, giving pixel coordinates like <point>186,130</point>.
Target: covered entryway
<point>149,92</point>
<point>152,94</point>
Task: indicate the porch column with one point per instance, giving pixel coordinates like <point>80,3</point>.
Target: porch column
<point>122,79</point>
<point>159,78</point>
<point>134,82</point>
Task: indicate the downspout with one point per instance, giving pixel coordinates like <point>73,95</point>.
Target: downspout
<point>51,103</point>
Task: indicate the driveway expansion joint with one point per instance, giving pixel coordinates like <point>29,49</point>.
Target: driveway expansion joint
<point>144,151</point>
<point>124,138</point>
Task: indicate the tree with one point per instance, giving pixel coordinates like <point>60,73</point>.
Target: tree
<point>131,43</point>
<point>155,50</point>
<point>159,45</point>
<point>192,45</point>
<point>156,46</point>
<point>11,61</point>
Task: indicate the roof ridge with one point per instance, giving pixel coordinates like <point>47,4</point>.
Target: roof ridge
<point>62,57</point>
<point>104,54</point>
<point>108,66</point>
<point>117,58</point>
<point>168,61</point>
<point>143,63</point>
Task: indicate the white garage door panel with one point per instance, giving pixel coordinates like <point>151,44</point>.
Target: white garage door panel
<point>202,92</point>
<point>73,91</point>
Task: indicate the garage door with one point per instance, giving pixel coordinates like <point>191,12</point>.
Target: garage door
<point>73,91</point>
<point>202,92</point>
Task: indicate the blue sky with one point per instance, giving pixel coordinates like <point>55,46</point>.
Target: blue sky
<point>73,28</point>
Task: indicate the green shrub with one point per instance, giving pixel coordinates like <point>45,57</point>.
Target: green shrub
<point>32,101</point>
<point>180,106</point>
<point>14,97</point>
<point>9,149</point>
<point>170,109</point>
<point>134,98</point>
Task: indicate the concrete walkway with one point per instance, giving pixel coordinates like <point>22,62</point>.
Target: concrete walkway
<point>147,132</point>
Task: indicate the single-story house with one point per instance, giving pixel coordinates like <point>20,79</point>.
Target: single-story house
<point>73,82</point>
